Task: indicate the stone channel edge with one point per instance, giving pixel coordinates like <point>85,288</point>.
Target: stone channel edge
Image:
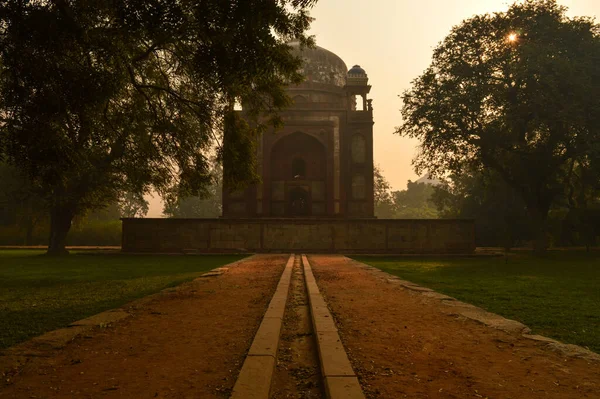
<point>339,378</point>
<point>254,380</point>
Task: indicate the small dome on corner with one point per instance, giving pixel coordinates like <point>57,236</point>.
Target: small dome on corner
<point>357,70</point>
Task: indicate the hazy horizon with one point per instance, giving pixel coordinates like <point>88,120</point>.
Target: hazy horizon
<point>393,41</point>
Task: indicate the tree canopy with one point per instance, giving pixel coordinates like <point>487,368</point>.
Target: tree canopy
<point>518,93</point>
<point>99,97</point>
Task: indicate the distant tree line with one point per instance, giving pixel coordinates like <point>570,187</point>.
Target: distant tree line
<point>413,203</point>
<point>24,218</point>
<point>500,214</point>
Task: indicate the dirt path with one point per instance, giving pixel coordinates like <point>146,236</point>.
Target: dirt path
<point>189,343</point>
<point>403,345</point>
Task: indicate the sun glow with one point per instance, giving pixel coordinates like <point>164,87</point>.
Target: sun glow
<point>513,37</point>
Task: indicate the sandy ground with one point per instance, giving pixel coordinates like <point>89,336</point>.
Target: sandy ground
<point>403,345</point>
<point>189,343</point>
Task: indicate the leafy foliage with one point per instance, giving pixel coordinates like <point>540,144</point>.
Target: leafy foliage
<point>528,109</point>
<point>206,205</point>
<point>412,203</point>
<point>501,217</point>
<point>24,217</point>
<point>415,202</point>
<point>499,213</point>
<point>132,205</point>
<point>384,202</point>
<point>100,97</point>
<point>19,206</point>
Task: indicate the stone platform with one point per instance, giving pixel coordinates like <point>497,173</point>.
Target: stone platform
<point>374,236</point>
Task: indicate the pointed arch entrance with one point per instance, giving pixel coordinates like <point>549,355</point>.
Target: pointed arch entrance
<point>298,176</point>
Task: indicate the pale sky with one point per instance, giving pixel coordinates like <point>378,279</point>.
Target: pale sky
<point>393,41</point>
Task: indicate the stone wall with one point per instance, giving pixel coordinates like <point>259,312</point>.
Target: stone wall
<point>302,235</point>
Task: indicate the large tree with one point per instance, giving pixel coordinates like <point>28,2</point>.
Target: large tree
<point>517,92</point>
<point>101,97</point>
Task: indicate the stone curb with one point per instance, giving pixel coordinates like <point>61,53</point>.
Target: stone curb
<point>482,316</point>
<point>254,380</point>
<point>338,376</point>
<point>17,356</point>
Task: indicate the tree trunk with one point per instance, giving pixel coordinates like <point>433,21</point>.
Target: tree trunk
<point>60,224</point>
<point>539,219</point>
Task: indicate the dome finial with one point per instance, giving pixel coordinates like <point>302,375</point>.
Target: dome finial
<point>357,76</point>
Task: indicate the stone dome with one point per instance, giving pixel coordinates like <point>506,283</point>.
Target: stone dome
<point>357,70</point>
<point>321,65</point>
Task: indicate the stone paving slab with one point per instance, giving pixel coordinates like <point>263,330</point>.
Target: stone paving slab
<point>343,387</point>
<point>277,305</point>
<point>254,381</point>
<point>322,320</point>
<point>334,361</point>
<point>266,338</point>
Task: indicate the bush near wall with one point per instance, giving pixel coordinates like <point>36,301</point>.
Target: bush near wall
<point>89,233</point>
<point>96,233</point>
<point>14,235</point>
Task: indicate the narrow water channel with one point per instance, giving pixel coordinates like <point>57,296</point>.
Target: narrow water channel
<point>297,373</point>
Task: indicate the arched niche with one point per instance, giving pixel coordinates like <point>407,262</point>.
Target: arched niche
<point>298,99</point>
<point>292,150</point>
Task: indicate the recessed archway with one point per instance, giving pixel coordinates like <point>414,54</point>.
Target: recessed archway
<point>298,174</point>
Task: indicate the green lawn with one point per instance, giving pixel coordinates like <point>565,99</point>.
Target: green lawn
<point>39,293</point>
<point>557,296</point>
